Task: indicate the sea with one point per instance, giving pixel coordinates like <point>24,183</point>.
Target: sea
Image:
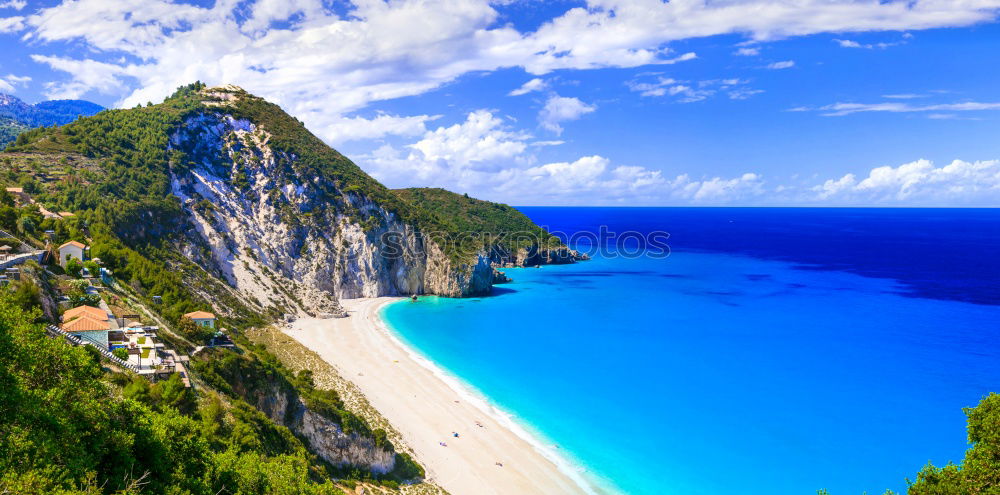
<point>754,351</point>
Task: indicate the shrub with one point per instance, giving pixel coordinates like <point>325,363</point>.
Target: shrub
<point>73,267</point>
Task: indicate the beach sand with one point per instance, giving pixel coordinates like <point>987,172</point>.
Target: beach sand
<point>426,410</point>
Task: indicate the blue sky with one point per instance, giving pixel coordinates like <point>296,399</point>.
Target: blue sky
<point>618,102</point>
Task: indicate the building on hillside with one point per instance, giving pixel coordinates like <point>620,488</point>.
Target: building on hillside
<point>89,323</point>
<point>202,318</point>
<point>71,249</point>
<point>66,214</point>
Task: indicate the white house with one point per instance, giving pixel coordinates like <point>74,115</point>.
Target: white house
<point>202,318</point>
<point>71,249</point>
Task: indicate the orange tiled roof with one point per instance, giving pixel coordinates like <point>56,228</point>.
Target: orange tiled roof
<point>85,324</point>
<point>88,311</point>
<point>73,243</point>
<point>200,315</point>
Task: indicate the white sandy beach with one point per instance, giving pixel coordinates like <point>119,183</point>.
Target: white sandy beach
<point>426,409</point>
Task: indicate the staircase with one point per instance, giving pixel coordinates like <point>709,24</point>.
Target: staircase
<point>83,340</point>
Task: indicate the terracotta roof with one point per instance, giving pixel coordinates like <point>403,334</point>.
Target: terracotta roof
<point>88,311</point>
<point>200,315</point>
<point>74,243</point>
<point>85,324</point>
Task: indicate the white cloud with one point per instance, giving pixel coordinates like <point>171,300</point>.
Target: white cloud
<point>559,109</point>
<point>481,138</point>
<point>11,24</point>
<point>345,129</point>
<point>785,64</point>
<point>841,109</point>
<point>904,96</point>
<point>688,91</point>
<point>535,84</point>
<point>88,75</point>
<point>547,143</point>
<point>13,4</point>
<point>919,183</point>
<point>869,46</point>
<point>10,82</point>
<point>743,93</point>
<point>718,190</point>
<point>747,51</point>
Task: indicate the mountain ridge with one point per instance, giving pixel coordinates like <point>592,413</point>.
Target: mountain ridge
<point>16,116</point>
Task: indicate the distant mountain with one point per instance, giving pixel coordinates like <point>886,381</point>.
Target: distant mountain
<point>17,116</point>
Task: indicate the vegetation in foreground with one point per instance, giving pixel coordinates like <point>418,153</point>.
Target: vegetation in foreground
<point>72,427</point>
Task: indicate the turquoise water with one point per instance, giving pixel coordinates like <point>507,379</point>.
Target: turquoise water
<point>714,372</point>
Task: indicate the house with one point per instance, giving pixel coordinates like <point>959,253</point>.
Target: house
<point>202,318</point>
<point>88,323</point>
<point>71,249</point>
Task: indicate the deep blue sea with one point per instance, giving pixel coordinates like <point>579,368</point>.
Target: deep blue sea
<point>774,351</point>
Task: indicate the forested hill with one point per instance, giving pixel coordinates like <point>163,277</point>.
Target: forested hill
<point>17,116</point>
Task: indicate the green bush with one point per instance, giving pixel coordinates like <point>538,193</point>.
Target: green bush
<point>74,267</point>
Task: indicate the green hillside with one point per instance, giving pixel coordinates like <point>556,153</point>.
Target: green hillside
<point>483,219</point>
<point>71,427</point>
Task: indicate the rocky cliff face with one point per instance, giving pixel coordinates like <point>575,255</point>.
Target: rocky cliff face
<point>325,438</point>
<point>534,256</point>
<point>298,243</point>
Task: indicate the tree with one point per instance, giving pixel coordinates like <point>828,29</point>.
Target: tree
<point>194,331</point>
<point>73,266</point>
<point>29,184</point>
<point>26,225</point>
<point>980,471</point>
<point>6,198</point>
<point>120,353</point>
<point>27,294</point>
<point>92,267</point>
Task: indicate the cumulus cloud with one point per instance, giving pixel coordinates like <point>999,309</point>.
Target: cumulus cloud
<point>747,51</point>
<point>13,4</point>
<point>482,138</point>
<point>560,109</point>
<point>11,24</point>
<point>918,183</point>
<point>535,84</point>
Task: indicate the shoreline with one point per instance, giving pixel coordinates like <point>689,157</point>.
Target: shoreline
<point>366,351</point>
